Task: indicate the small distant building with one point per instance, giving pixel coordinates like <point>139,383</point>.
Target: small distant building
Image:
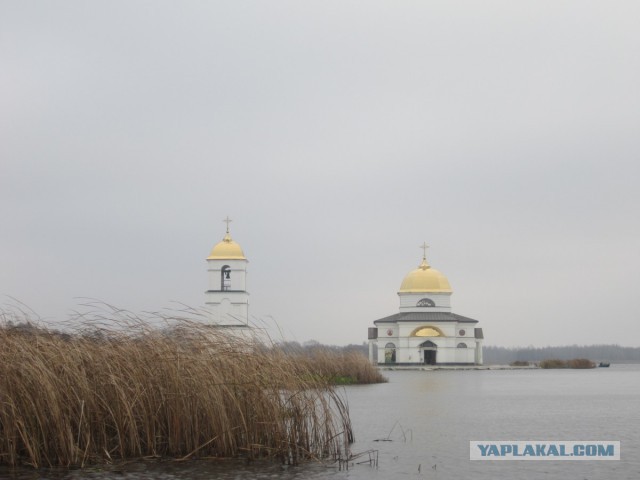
<point>425,330</point>
<point>227,299</point>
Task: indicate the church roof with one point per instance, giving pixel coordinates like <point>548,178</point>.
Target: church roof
<point>227,249</point>
<point>425,279</point>
<point>425,317</point>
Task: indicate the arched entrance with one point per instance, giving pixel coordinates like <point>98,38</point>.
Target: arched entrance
<point>390,353</point>
<point>429,352</point>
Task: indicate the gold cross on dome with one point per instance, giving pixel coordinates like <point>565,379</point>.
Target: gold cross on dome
<point>227,221</point>
<point>424,247</point>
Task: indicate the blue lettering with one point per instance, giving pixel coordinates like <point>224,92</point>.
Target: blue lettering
<point>529,451</point>
<point>578,450</point>
<point>592,450</point>
<point>605,451</point>
<point>504,449</point>
<point>553,451</point>
<point>540,452</point>
<point>493,450</point>
<point>483,449</point>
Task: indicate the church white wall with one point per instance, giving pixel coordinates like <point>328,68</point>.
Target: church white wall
<point>408,302</point>
<point>408,348</point>
<point>238,274</point>
<point>387,331</point>
<point>469,333</point>
<point>230,309</point>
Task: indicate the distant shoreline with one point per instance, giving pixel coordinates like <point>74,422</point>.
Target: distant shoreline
<point>472,367</point>
<point>457,367</point>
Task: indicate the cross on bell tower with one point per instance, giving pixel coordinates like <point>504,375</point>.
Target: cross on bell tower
<point>424,247</point>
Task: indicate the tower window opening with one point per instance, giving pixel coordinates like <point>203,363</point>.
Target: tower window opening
<point>225,278</point>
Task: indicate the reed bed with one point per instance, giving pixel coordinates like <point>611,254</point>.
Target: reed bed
<point>107,393</point>
<point>579,363</point>
<point>337,367</point>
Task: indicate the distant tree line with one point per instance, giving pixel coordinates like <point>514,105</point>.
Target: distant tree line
<point>504,355</point>
<point>597,353</point>
<point>492,355</point>
<point>312,345</point>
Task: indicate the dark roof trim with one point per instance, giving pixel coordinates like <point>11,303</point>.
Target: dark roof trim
<point>425,317</point>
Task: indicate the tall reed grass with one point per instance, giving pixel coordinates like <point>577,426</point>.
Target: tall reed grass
<point>579,363</point>
<point>107,393</point>
<point>336,367</point>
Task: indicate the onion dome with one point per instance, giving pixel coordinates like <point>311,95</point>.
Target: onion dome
<point>227,249</point>
<point>425,279</point>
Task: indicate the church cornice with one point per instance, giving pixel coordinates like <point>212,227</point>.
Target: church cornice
<point>425,317</point>
<point>227,291</point>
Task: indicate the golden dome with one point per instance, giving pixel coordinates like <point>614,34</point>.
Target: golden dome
<point>227,249</point>
<point>425,279</point>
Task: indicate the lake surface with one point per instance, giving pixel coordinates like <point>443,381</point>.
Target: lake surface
<point>429,417</point>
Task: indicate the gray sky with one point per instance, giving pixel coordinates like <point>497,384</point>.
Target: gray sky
<point>339,136</point>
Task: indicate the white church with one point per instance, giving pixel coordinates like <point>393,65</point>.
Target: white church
<point>227,299</point>
<point>425,330</point>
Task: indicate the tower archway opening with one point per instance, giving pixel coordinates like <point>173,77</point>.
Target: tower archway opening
<point>225,278</point>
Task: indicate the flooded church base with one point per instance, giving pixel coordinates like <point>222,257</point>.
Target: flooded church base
<point>425,331</point>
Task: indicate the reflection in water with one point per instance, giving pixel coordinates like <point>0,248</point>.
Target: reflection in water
<point>429,417</point>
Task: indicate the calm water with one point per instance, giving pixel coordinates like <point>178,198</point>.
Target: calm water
<point>431,416</point>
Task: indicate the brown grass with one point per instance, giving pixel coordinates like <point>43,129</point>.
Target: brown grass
<point>552,363</point>
<point>111,393</point>
<point>337,367</point>
<point>581,363</point>
<point>574,363</point>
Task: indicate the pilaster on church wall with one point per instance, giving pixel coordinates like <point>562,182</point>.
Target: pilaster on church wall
<point>471,353</point>
<point>214,312</point>
<point>235,314</point>
<point>241,311</point>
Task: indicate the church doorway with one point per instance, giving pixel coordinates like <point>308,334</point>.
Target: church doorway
<point>429,352</point>
<point>430,357</point>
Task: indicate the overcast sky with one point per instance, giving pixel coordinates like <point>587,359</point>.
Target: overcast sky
<point>339,136</point>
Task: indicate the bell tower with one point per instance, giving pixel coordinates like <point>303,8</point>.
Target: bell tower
<point>227,298</point>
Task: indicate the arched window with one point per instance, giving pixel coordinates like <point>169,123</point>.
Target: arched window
<point>425,302</point>
<point>225,278</point>
<point>427,332</point>
<point>462,345</point>
<point>390,353</point>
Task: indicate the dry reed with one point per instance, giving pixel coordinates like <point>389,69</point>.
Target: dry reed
<point>573,363</point>
<point>337,367</point>
<point>106,394</point>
